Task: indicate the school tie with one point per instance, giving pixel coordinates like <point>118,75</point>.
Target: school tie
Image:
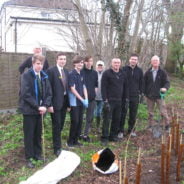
<point>39,86</point>
<point>63,78</point>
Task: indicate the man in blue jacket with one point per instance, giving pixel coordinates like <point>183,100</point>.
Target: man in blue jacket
<point>35,98</point>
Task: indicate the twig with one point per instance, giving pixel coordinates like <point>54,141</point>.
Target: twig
<point>43,138</point>
<point>125,178</point>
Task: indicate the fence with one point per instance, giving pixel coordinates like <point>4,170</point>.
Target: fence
<point>9,75</point>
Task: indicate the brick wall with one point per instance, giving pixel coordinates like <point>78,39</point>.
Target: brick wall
<point>9,76</point>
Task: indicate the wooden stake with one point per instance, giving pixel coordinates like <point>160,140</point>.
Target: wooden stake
<point>125,180</point>
<point>173,127</point>
<point>138,169</point>
<point>163,161</point>
<point>178,167</point>
<point>169,142</point>
<point>177,137</point>
<point>125,171</point>
<point>120,172</point>
<point>168,158</point>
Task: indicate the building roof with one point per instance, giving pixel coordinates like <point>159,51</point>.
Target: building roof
<point>55,4</point>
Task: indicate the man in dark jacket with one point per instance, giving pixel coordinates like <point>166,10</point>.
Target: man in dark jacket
<point>114,88</point>
<point>28,62</point>
<point>156,82</point>
<point>35,98</point>
<point>91,82</point>
<point>58,77</point>
<point>135,83</point>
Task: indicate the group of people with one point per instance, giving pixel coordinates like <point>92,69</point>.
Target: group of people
<point>103,95</point>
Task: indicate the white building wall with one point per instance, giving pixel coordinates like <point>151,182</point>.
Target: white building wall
<point>32,34</point>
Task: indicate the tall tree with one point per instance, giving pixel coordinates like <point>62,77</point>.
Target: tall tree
<point>121,23</point>
<point>176,24</point>
<point>134,40</point>
<point>86,35</point>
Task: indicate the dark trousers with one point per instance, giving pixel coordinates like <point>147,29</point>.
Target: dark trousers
<point>76,115</point>
<point>58,119</point>
<point>89,117</point>
<point>32,127</point>
<point>111,119</point>
<point>133,107</point>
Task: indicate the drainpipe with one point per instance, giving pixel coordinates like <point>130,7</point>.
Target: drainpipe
<point>15,35</point>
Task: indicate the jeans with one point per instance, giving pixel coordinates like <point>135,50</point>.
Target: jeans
<point>89,117</point>
<point>98,108</point>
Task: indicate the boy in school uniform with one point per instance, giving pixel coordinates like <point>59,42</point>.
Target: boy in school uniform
<point>78,100</point>
<point>91,83</point>
<point>58,77</point>
<point>35,98</point>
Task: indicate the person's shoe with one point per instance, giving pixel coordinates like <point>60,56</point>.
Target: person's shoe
<point>104,142</point>
<point>39,158</point>
<point>149,128</point>
<point>167,127</point>
<point>69,145</point>
<point>78,144</point>
<point>120,135</point>
<point>113,139</point>
<point>86,139</point>
<point>81,137</point>
<point>133,134</point>
<point>99,130</point>
<point>30,164</point>
<point>57,152</point>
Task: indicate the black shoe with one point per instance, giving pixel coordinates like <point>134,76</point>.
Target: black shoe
<point>86,139</point>
<point>81,137</point>
<point>104,142</point>
<point>167,127</point>
<point>30,164</point>
<point>39,158</point>
<point>57,152</point>
<point>78,144</point>
<point>70,145</point>
<point>113,139</point>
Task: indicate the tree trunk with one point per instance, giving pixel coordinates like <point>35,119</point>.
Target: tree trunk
<point>134,40</point>
<point>124,29</point>
<point>84,29</point>
<point>175,13</point>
